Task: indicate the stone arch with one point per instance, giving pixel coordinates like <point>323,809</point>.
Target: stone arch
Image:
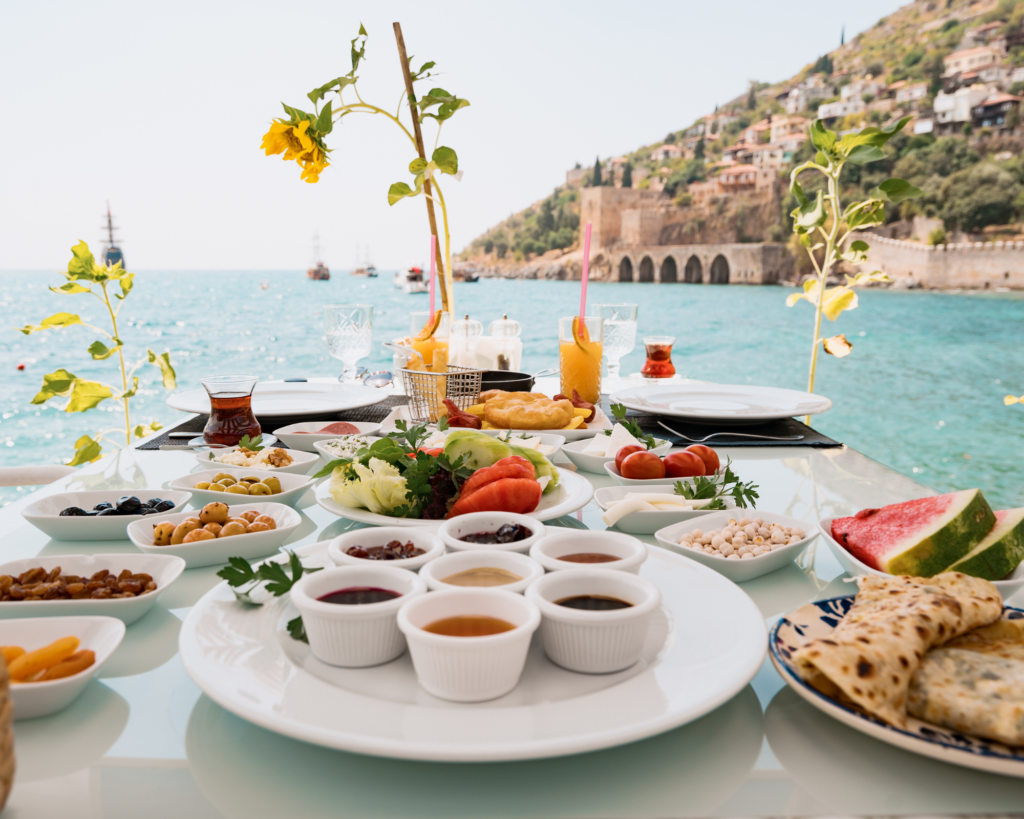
<point>669,271</point>
<point>646,271</point>
<point>625,270</point>
<point>694,273</point>
<point>719,273</point>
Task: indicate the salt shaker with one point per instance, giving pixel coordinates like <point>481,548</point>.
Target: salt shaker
<point>465,336</point>
<point>506,336</point>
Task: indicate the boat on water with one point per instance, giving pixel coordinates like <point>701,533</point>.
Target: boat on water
<point>465,274</point>
<point>365,267</point>
<point>318,271</point>
<point>411,280</point>
<point>111,252</point>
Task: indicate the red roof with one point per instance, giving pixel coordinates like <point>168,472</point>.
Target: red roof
<point>990,26</point>
<point>740,169</point>
<point>968,52</point>
<point>998,98</point>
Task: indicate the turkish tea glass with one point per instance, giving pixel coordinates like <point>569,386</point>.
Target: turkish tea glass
<point>659,357</point>
<point>579,357</point>
<point>349,335</point>
<point>231,415</point>
<point>619,332</point>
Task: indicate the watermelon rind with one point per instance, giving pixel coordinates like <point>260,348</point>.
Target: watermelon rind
<point>1000,552</point>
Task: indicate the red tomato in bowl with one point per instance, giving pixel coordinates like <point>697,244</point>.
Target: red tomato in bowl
<point>708,455</point>
<point>642,466</point>
<point>624,452</point>
<point>683,464</point>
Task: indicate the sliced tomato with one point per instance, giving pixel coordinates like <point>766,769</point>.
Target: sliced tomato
<point>433,453</point>
<point>514,466</point>
<point>518,495</point>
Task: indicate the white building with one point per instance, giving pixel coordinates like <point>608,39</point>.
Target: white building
<point>841,108</point>
<point>665,153</point>
<point>970,59</point>
<point>813,88</point>
<point>910,94</point>
<point>953,109</point>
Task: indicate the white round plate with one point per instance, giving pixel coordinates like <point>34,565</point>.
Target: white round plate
<point>647,523</point>
<point>595,463</point>
<point>279,398</point>
<point>44,514</point>
<point>243,659</point>
<point>722,403</point>
<point>301,461</point>
<point>573,493</point>
<point>303,435</point>
<point>817,620</point>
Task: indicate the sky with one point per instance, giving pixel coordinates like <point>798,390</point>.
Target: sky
<point>160,108</point>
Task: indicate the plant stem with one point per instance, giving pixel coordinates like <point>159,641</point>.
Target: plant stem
<point>449,281</point>
<point>124,372</point>
<point>373,109</point>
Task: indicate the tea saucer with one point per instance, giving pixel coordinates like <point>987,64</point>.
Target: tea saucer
<point>199,443</point>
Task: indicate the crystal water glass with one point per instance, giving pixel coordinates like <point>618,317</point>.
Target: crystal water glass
<point>349,334</point>
<point>619,332</point>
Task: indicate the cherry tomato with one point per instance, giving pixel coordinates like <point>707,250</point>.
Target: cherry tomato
<point>642,466</point>
<point>683,464</point>
<point>623,452</point>
<point>708,455</point>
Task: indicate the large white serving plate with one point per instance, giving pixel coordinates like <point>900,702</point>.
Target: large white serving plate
<point>817,620</point>
<point>279,398</point>
<point>572,493</point>
<point>599,424</point>
<point>722,403</point>
<point>707,643</point>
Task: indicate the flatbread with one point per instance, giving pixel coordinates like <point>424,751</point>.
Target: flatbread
<point>1004,638</point>
<point>870,658</point>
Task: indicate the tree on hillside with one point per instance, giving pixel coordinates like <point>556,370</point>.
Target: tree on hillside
<point>595,179</point>
<point>670,138</point>
<point>752,95</point>
<point>698,150</point>
<point>627,174</point>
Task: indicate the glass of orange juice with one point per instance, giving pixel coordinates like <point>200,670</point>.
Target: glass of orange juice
<point>579,356</point>
<point>417,321</point>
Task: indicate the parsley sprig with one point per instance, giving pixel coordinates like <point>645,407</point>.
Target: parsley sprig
<point>717,487</point>
<point>239,573</point>
<point>252,444</point>
<point>632,427</point>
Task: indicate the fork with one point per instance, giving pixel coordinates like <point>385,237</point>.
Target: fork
<point>732,434</point>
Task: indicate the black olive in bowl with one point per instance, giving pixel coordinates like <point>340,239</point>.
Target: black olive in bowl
<point>108,512</point>
<point>128,505</point>
<point>164,506</point>
<point>99,507</point>
<point>72,512</point>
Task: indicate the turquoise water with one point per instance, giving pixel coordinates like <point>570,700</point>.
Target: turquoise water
<point>922,390</point>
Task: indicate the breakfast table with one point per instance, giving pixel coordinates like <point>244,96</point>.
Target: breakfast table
<point>144,740</point>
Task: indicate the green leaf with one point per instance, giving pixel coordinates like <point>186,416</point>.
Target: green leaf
<point>797,191</point>
<point>145,430</point>
<point>820,159</point>
<point>418,165</point>
<point>56,383</point>
<point>324,471</point>
<point>822,138</point>
<point>857,254</point>
<point>421,74</point>
<point>358,53</point>
<point>100,351</point>
<point>129,392</point>
<point>56,320</point>
<point>446,160</point>
<point>87,394</point>
<point>895,191</point>
<point>127,282</point>
<point>87,450</point>
<point>83,266</point>
<point>318,94</point>
<point>238,572</point>
<point>865,278</point>
<point>810,215</point>
<point>70,287</point>
<point>297,630</point>
<point>252,444</point>
<point>397,192</point>
<point>862,154</point>
<point>324,123</point>
<point>163,361</point>
<point>861,215</point>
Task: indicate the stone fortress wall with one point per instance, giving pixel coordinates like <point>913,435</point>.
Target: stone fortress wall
<point>967,265</point>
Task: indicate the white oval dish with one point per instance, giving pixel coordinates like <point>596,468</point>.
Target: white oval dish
<point>744,569</point>
<point>301,461</point>
<point>647,523</point>
<point>101,635</point>
<point>594,642</point>
<point>293,487</point>
<point>355,636</point>
<point>559,542</point>
<point>164,569</point>
<point>44,514</point>
<point>452,530</point>
<point>572,493</point>
<point>527,568</point>
<point>381,535</point>
<point>1008,586</point>
<point>320,447</point>
<point>595,463</point>
<point>469,669</point>
<point>725,403</point>
<point>217,551</point>
<point>609,467</point>
<point>302,436</point>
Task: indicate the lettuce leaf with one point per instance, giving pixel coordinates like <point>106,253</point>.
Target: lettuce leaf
<point>377,486</point>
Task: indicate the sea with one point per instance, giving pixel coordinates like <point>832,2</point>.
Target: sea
<point>922,391</point>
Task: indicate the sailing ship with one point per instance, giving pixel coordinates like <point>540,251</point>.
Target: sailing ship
<point>365,268</point>
<point>411,280</point>
<point>111,253</point>
<point>318,272</point>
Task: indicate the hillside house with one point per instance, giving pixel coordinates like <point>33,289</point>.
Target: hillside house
<point>740,152</point>
<point>862,88</point>
<point>770,155</point>
<point>994,111</point>
<point>748,181</point>
<point>798,98</point>
<point>952,110</point>
<point>970,59</point>
<point>791,143</point>
<point>784,126</point>
<point>666,153</point>
<point>754,134</point>
<point>910,95</point>
<point>841,108</point>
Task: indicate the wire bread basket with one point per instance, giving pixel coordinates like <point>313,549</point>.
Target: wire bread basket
<point>427,390</point>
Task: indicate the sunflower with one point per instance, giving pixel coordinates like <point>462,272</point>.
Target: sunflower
<point>312,164</point>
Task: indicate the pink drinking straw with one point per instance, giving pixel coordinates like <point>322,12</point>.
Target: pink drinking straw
<point>433,274</point>
<point>586,272</point>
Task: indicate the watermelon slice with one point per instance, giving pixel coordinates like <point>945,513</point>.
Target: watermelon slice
<point>1000,552</point>
<point>920,537</point>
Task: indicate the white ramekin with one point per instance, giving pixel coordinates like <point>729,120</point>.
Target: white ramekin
<point>594,642</point>
<point>452,530</point>
<point>559,542</point>
<point>527,568</point>
<point>359,635</point>
<point>468,669</point>
<point>381,536</point>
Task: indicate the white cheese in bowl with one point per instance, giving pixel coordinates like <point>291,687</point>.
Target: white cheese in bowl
<point>606,446</point>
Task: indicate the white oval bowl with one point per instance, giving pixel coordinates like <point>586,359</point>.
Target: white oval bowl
<point>738,571</point>
<point>301,461</point>
<point>594,642</point>
<point>321,449</point>
<point>647,523</point>
<point>303,435</point>
<point>355,636</point>
<point>380,536</point>
<point>476,522</point>
<point>469,669</point>
<point>595,463</point>
<point>527,568</point>
<point>101,635</point>
<point>1007,587</point>
<point>630,551</point>
<point>164,569</point>
<point>44,514</point>
<point>293,487</point>
<point>609,467</point>
<point>217,551</point>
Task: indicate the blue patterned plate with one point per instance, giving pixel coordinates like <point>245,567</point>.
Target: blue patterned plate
<point>817,620</point>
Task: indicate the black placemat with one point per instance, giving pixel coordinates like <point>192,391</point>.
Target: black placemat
<point>785,428</point>
<point>372,414</point>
